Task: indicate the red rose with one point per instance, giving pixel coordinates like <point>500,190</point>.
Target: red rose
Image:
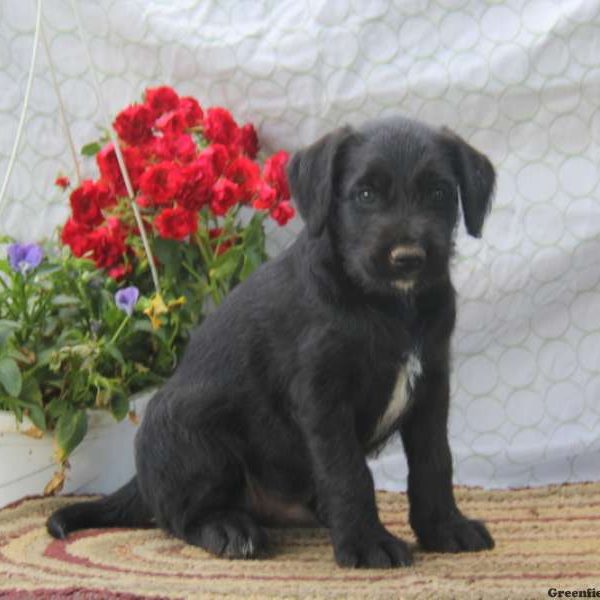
<point>219,126</point>
<point>160,183</point>
<point>108,243</point>
<point>246,174</point>
<point>104,197</point>
<point>180,147</point>
<point>225,195</point>
<point>283,212</point>
<point>76,236</point>
<point>88,200</point>
<point>119,271</point>
<point>143,201</point>
<point>219,155</point>
<point>134,124</point>
<point>176,223</point>
<point>266,198</point>
<point>198,179</point>
<point>246,140</point>
<point>191,110</point>
<point>110,172</point>
<point>62,182</point>
<point>275,175</point>
<point>134,161</point>
<point>161,100</point>
<point>171,123</point>
<point>108,166</point>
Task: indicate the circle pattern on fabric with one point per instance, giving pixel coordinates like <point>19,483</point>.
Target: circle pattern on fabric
<point>519,81</point>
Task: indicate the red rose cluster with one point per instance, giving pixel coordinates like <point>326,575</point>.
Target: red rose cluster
<point>181,160</point>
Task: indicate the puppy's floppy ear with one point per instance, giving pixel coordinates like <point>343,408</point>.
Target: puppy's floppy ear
<point>311,174</point>
<point>476,180</point>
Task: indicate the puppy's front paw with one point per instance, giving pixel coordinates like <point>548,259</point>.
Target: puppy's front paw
<point>458,534</point>
<point>373,550</point>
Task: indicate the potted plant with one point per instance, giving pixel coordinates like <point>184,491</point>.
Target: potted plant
<point>102,311</point>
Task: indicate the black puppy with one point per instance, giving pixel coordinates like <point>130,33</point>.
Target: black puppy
<point>317,359</point>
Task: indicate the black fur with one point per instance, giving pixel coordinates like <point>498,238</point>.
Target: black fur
<point>276,402</point>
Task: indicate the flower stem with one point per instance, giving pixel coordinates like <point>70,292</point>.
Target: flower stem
<point>192,272</point>
<point>203,251</point>
<point>119,330</point>
<point>206,258</point>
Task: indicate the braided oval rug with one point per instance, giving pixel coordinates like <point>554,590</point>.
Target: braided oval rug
<point>545,538</point>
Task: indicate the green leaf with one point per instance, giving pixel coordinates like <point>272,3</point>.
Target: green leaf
<point>254,234</point>
<point>30,392</point>
<point>6,329</point>
<point>115,353</point>
<point>231,254</point>
<point>13,405</point>
<point>57,407</point>
<point>119,404</point>
<point>70,430</point>
<point>43,358</point>
<point>48,268</point>
<point>49,327</point>
<point>91,149</point>
<point>5,267</point>
<point>65,300</point>
<point>226,264</point>
<point>144,325</point>
<point>167,251</point>
<point>252,260</point>
<point>10,376</point>
<point>36,414</point>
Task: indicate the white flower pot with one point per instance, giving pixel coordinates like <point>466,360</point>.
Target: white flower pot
<point>100,464</point>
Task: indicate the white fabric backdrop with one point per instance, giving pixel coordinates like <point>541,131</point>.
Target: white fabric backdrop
<point>519,79</point>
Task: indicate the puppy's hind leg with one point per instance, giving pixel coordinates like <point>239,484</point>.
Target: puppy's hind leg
<point>230,533</point>
<point>212,514</point>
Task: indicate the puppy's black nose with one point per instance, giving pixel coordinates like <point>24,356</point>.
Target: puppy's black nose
<point>407,260</point>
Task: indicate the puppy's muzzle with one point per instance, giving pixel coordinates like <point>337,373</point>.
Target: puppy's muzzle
<point>407,261</point>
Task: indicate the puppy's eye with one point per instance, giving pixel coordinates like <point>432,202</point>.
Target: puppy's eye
<point>366,197</point>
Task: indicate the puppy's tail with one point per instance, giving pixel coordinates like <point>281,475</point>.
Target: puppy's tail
<point>124,508</point>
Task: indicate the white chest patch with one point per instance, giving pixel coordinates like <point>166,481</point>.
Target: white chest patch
<point>401,394</point>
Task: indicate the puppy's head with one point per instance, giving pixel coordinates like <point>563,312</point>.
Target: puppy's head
<point>388,195</point>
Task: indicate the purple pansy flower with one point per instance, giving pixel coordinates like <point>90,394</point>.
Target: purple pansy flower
<point>127,298</point>
<point>24,257</point>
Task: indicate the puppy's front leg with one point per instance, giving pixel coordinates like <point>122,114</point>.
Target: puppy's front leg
<point>434,516</point>
<point>344,482</point>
